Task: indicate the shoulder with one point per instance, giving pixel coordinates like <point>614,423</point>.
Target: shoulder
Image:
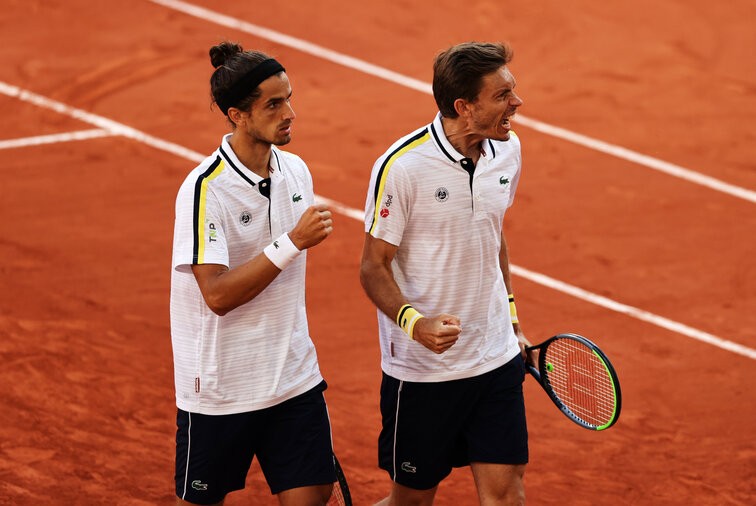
<point>512,143</point>
<point>293,167</point>
<point>289,160</point>
<point>207,170</point>
<point>507,148</point>
<point>406,146</point>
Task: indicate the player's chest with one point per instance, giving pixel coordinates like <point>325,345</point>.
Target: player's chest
<point>485,194</point>
<point>253,219</point>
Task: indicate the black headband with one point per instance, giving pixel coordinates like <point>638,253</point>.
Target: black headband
<point>248,83</point>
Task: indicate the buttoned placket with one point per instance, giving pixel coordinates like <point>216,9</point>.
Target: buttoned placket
<point>480,169</point>
<point>469,167</point>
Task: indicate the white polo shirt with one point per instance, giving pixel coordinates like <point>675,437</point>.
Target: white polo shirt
<point>259,354</point>
<point>447,227</point>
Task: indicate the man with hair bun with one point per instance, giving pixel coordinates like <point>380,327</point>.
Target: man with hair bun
<point>246,372</point>
<point>451,394</point>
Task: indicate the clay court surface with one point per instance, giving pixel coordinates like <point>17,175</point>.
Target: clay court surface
<point>88,413</point>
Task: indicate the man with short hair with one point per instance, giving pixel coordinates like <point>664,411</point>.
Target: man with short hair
<point>452,381</point>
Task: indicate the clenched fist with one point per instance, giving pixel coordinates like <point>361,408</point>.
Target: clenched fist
<point>438,334</point>
<point>314,226</point>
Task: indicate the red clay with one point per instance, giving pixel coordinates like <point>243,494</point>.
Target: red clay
<point>88,408</point>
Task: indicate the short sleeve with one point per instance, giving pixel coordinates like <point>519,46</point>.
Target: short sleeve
<point>199,236</point>
<point>388,201</point>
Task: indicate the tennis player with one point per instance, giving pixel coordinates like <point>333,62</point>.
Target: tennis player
<point>247,377</point>
<point>435,262</point>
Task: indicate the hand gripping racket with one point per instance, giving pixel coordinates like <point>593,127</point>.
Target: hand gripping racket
<point>340,495</point>
<point>580,380</point>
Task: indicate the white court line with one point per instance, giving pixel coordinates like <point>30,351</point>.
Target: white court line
<point>54,138</point>
<point>126,131</point>
<point>111,126</point>
<point>349,212</point>
<point>415,84</point>
<point>640,314</point>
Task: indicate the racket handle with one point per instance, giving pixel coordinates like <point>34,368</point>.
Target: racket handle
<point>532,370</point>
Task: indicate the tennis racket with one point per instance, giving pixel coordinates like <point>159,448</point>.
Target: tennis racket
<point>340,495</point>
<point>580,380</point>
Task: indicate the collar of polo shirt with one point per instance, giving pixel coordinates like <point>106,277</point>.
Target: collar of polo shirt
<point>442,143</point>
<point>250,177</point>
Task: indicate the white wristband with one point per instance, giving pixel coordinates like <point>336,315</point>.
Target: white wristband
<point>282,252</point>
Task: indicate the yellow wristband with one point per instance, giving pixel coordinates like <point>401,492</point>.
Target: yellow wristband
<point>407,318</point>
<point>512,309</point>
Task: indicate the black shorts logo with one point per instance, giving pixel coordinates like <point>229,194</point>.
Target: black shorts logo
<point>442,194</point>
<point>245,218</point>
<point>408,468</point>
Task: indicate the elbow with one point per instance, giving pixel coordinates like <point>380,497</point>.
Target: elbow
<point>365,277</point>
<point>217,305</point>
<point>372,274</point>
<point>219,311</point>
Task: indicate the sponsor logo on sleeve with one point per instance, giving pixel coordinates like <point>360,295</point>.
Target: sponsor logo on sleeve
<point>213,236</point>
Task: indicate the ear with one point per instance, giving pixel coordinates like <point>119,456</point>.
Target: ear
<point>237,116</point>
<point>463,107</point>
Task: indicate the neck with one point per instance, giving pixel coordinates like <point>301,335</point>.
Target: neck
<point>462,137</point>
<point>253,154</point>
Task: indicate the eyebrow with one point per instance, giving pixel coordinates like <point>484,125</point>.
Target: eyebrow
<point>278,99</point>
<point>508,88</point>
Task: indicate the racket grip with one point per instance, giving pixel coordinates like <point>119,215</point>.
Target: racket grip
<point>532,370</point>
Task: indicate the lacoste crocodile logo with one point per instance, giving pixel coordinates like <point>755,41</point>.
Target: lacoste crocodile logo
<point>503,180</point>
<point>275,244</point>
<point>296,198</point>
<point>407,468</point>
<point>197,485</point>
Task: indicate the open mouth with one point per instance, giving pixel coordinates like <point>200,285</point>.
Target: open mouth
<point>506,122</point>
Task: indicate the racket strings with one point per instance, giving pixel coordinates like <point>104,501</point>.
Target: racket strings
<point>580,379</point>
<point>337,497</point>
<point>340,495</point>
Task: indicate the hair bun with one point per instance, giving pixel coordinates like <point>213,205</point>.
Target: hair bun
<point>223,51</point>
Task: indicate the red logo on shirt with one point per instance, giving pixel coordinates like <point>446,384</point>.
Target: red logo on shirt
<point>384,213</point>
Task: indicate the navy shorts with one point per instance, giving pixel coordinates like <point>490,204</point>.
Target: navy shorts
<point>429,428</point>
<point>292,442</point>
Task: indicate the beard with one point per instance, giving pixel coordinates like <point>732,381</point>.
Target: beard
<point>282,140</point>
<point>277,138</point>
<point>495,127</point>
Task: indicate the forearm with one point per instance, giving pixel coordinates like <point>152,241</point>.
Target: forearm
<point>504,264</point>
<point>437,333</point>
<point>377,280</point>
<point>505,272</point>
<point>225,290</point>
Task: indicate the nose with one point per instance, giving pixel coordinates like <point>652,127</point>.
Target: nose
<point>288,112</point>
<point>516,101</point>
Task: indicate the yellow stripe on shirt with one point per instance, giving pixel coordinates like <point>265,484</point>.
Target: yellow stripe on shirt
<point>383,173</point>
<point>200,225</point>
